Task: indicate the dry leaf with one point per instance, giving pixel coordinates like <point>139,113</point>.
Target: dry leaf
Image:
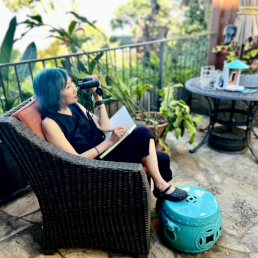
<point>17,241</point>
<point>228,253</point>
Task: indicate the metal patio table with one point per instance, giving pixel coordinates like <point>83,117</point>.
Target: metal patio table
<point>213,97</point>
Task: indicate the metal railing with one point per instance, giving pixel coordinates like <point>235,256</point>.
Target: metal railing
<point>158,63</point>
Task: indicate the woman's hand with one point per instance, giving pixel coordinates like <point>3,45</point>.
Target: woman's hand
<point>93,90</point>
<point>117,134</point>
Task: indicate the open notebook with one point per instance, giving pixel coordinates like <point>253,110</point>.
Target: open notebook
<point>121,117</point>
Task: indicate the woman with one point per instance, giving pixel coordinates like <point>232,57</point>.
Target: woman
<point>69,126</point>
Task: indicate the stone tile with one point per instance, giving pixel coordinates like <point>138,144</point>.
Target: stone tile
<point>191,168</point>
<point>84,253</point>
<point>210,254</point>
<point>213,156</point>
<point>173,142</point>
<point>203,123</point>
<point>113,254</point>
<point>250,239</point>
<point>209,170</point>
<point>236,204</point>
<point>22,206</point>
<point>35,217</point>
<point>56,255</point>
<point>25,244</point>
<point>217,157</point>
<point>220,249</point>
<point>10,226</point>
<point>254,255</point>
<point>243,169</point>
<point>158,246</point>
<point>249,189</point>
<point>232,244</point>
<point>184,180</point>
<point>231,227</point>
<point>176,170</point>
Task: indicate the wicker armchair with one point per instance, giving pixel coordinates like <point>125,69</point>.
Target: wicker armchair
<point>84,202</point>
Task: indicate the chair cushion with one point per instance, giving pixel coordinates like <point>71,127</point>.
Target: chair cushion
<point>31,117</point>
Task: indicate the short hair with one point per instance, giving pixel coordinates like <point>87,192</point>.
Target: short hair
<point>47,86</point>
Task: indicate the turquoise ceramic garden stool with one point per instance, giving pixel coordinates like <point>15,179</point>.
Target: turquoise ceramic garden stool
<point>194,224</point>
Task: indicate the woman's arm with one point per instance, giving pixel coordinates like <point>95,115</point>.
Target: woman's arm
<point>102,122</point>
<point>54,135</point>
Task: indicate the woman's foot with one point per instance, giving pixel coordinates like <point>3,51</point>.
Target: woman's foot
<point>170,193</point>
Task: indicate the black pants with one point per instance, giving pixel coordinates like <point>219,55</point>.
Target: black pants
<point>135,147</point>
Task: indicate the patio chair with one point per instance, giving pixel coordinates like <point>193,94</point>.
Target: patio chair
<point>84,202</point>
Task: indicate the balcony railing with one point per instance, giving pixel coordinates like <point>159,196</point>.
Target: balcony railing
<point>158,63</point>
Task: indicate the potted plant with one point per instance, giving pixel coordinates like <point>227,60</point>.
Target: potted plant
<point>174,115</point>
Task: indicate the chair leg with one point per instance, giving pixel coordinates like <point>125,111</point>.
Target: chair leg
<point>48,251</point>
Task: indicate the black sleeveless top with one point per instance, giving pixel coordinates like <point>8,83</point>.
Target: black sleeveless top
<point>81,132</point>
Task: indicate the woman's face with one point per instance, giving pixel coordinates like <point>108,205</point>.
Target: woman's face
<point>69,92</point>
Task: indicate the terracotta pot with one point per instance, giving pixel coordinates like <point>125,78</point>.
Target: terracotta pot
<point>161,128</point>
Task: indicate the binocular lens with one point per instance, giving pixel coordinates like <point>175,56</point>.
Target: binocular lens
<point>86,84</point>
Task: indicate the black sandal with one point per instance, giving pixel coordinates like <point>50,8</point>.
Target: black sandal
<point>176,196</point>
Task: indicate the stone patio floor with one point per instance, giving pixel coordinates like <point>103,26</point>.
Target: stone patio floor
<point>233,179</point>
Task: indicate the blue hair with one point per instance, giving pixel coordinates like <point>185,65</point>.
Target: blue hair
<point>47,85</point>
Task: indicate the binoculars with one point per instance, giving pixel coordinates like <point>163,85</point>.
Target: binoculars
<point>88,83</point>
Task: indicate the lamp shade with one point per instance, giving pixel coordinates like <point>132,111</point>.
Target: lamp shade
<point>247,22</point>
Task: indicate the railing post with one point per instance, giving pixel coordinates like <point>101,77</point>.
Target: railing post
<point>161,55</point>
<point>68,66</point>
<point>6,100</point>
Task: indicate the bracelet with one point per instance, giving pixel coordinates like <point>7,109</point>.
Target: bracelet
<point>100,102</point>
<point>97,150</point>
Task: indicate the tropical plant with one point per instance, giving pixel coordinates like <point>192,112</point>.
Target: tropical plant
<point>177,114</point>
<point>9,81</point>
<point>67,36</point>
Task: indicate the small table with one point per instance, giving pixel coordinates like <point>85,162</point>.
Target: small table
<point>213,96</point>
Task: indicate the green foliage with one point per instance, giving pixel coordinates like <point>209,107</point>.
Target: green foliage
<point>6,48</point>
<point>194,21</point>
<point>8,75</point>
<point>72,27</point>
<point>171,15</point>
<point>29,54</point>
<point>15,5</point>
<point>134,12</point>
<point>231,52</point>
<point>66,36</point>
<point>33,5</point>
<point>177,114</point>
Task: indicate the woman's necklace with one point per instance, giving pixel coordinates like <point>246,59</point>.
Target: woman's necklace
<point>66,111</point>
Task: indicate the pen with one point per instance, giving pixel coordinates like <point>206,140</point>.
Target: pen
<point>113,130</point>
